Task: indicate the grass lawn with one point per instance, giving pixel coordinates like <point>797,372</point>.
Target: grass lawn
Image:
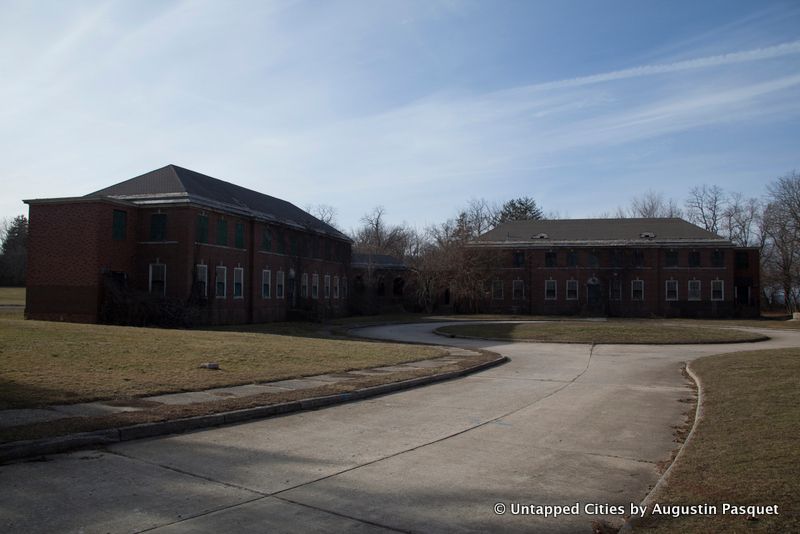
<point>745,449</point>
<point>12,295</point>
<point>599,332</point>
<point>47,363</point>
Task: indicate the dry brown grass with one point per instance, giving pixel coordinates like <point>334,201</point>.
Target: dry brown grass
<point>599,332</point>
<point>12,296</point>
<point>50,363</point>
<point>744,450</point>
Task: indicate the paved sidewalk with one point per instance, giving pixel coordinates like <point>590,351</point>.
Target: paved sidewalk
<point>443,367</point>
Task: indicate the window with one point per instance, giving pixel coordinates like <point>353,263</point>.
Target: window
<point>550,259</point>
<point>638,258</point>
<point>336,287</point>
<point>344,288</point>
<point>304,286</point>
<point>327,286</point>
<point>120,226</point>
<point>717,290</point>
<point>694,290</point>
<point>221,282</point>
<point>549,290</point>
<point>281,246</point>
<point>672,289</point>
<point>718,258</point>
<point>238,239</point>
<point>572,290</point>
<point>742,261</point>
<point>616,290</point>
<point>158,226</point>
<point>201,279</point>
<point>497,289</point>
<point>519,259</point>
<point>637,290</point>
<point>279,285</point>
<point>572,258</point>
<point>293,245</point>
<point>518,289</point>
<point>671,258</point>
<point>694,258</point>
<point>266,239</point>
<point>593,260</point>
<point>315,286</point>
<point>158,279</point>
<point>238,283</point>
<point>266,284</point>
<point>617,257</point>
<point>222,232</point>
<point>202,228</point>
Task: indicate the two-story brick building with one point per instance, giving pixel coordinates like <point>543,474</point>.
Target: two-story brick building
<point>619,267</point>
<point>229,254</point>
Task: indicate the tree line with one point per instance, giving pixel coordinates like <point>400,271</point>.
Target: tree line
<point>770,223</point>
<point>13,251</point>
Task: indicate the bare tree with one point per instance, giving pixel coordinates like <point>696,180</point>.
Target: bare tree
<point>376,236</point>
<point>739,220</point>
<point>651,204</point>
<point>324,212</point>
<point>781,227</point>
<point>705,206</point>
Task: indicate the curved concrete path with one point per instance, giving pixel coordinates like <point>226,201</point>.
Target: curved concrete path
<point>557,425</point>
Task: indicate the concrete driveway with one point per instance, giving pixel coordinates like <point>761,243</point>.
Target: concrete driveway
<point>558,425</point>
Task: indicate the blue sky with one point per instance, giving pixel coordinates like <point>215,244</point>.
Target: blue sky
<point>417,106</point>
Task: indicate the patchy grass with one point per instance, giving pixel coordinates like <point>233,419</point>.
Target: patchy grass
<point>12,296</point>
<point>599,332</point>
<point>744,450</point>
<point>154,411</point>
<point>766,323</point>
<point>50,363</point>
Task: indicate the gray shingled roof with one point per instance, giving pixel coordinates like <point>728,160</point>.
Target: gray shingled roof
<point>589,231</point>
<point>173,183</point>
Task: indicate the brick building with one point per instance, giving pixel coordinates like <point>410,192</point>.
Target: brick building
<point>184,241</point>
<point>619,267</point>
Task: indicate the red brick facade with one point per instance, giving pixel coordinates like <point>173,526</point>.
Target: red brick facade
<point>626,281</point>
<point>74,247</point>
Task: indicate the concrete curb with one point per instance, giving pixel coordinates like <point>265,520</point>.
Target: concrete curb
<point>459,336</point>
<point>649,499</point>
<point>25,449</point>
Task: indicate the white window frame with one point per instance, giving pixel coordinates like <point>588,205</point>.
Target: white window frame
<point>554,283</point>
<point>150,277</point>
<point>280,285</point>
<point>699,293</point>
<point>496,283</point>
<point>266,284</point>
<point>634,283</point>
<point>514,285</point>
<point>238,272</point>
<point>224,271</point>
<point>574,284</point>
<point>304,285</point>
<point>315,286</point>
<point>327,286</point>
<point>721,290</point>
<point>673,283</point>
<point>202,276</point>
<point>336,287</point>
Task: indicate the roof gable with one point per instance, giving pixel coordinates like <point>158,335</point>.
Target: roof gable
<point>171,182</point>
